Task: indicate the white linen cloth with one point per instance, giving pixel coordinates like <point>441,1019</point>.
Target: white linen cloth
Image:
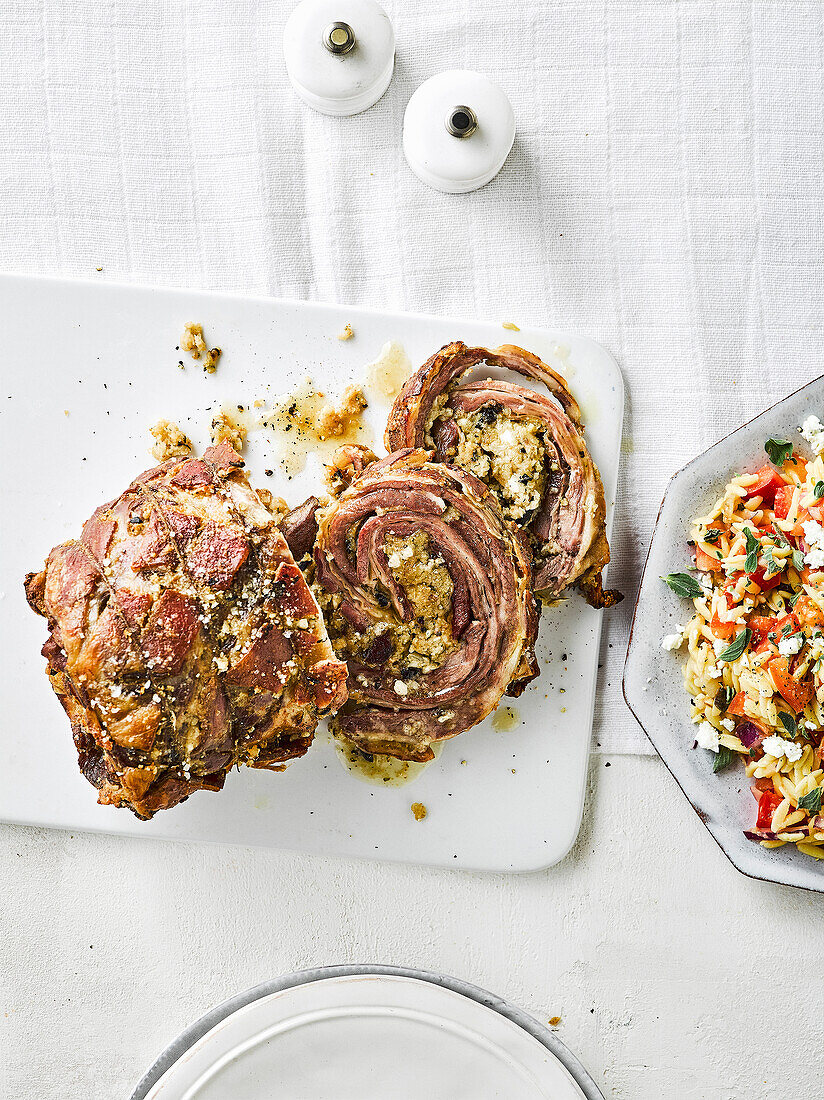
<point>663,194</point>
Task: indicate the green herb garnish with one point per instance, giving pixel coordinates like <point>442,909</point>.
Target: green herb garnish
<point>811,802</point>
<point>818,491</point>
<point>713,535</point>
<point>772,566</point>
<point>683,584</point>
<point>788,722</point>
<point>753,546</point>
<point>798,560</point>
<point>723,757</point>
<point>736,648</point>
<point>780,536</point>
<point>779,450</point>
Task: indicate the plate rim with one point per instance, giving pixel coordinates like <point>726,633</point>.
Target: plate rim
<point>196,1030</point>
<point>731,855</point>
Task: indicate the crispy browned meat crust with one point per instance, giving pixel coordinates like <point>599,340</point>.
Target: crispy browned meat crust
<point>183,638</point>
<point>493,617</point>
<point>567,531</point>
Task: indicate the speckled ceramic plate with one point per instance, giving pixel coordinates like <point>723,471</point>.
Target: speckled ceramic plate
<point>653,686</point>
<point>366,1031</point>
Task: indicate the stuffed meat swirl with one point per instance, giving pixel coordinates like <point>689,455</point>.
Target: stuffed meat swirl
<point>527,448</point>
<point>426,593</point>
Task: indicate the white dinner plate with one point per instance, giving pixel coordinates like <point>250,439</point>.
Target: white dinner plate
<point>366,1033</point>
<point>88,368</point>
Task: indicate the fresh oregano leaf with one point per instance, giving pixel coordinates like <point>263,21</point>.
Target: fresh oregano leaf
<point>779,450</point>
<point>723,757</point>
<point>713,534</point>
<point>788,722</point>
<point>811,802</point>
<point>736,648</point>
<point>753,546</point>
<point>684,585</point>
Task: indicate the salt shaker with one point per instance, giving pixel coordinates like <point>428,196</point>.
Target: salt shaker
<point>458,130</point>
<point>340,54</point>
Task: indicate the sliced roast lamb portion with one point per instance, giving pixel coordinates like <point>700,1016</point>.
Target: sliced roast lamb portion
<point>183,638</point>
<point>426,593</point>
<point>528,448</point>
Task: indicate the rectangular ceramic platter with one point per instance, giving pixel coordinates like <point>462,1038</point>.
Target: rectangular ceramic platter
<point>106,355</point>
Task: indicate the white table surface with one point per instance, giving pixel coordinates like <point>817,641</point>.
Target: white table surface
<point>664,196</point>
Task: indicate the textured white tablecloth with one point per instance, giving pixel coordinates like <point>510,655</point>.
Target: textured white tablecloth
<point>663,194</point>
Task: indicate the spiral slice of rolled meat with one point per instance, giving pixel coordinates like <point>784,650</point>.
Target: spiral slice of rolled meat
<point>183,638</point>
<point>529,449</point>
<point>426,593</point>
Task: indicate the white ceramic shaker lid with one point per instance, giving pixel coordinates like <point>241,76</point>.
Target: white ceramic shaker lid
<point>458,130</point>
<point>339,54</point>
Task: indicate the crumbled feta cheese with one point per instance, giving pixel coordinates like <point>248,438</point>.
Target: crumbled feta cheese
<point>810,725</point>
<point>787,647</point>
<point>707,737</point>
<point>713,672</point>
<point>407,553</point>
<point>813,431</point>
<point>728,724</point>
<point>777,747</point>
<point>815,559</point>
<point>394,560</point>
<point>719,645</point>
<point>813,533</point>
<point>672,641</point>
<point>400,688</point>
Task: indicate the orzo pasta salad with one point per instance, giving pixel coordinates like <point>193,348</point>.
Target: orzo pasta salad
<point>755,643</point>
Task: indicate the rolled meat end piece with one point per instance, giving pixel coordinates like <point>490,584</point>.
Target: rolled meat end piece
<point>527,448</point>
<point>183,639</point>
<point>426,593</point>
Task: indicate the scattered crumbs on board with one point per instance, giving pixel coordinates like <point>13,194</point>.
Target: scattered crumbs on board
<point>418,810</point>
<point>387,374</point>
<point>170,441</point>
<point>193,341</point>
<point>347,334</point>
<point>228,427</point>
<point>554,1021</point>
<point>511,326</point>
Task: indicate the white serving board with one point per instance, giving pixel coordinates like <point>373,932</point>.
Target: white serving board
<point>106,353</point>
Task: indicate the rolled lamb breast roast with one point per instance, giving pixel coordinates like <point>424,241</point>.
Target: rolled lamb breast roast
<point>527,448</point>
<point>183,638</point>
<point>426,593</point>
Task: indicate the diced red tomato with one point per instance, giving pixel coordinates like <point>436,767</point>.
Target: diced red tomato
<point>782,501</point>
<point>768,483</point>
<point>721,629</point>
<point>737,704</point>
<point>765,583</point>
<point>705,562</point>
<point>797,693</point>
<point>768,803</point>
<point>762,625</point>
<point>808,611</point>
